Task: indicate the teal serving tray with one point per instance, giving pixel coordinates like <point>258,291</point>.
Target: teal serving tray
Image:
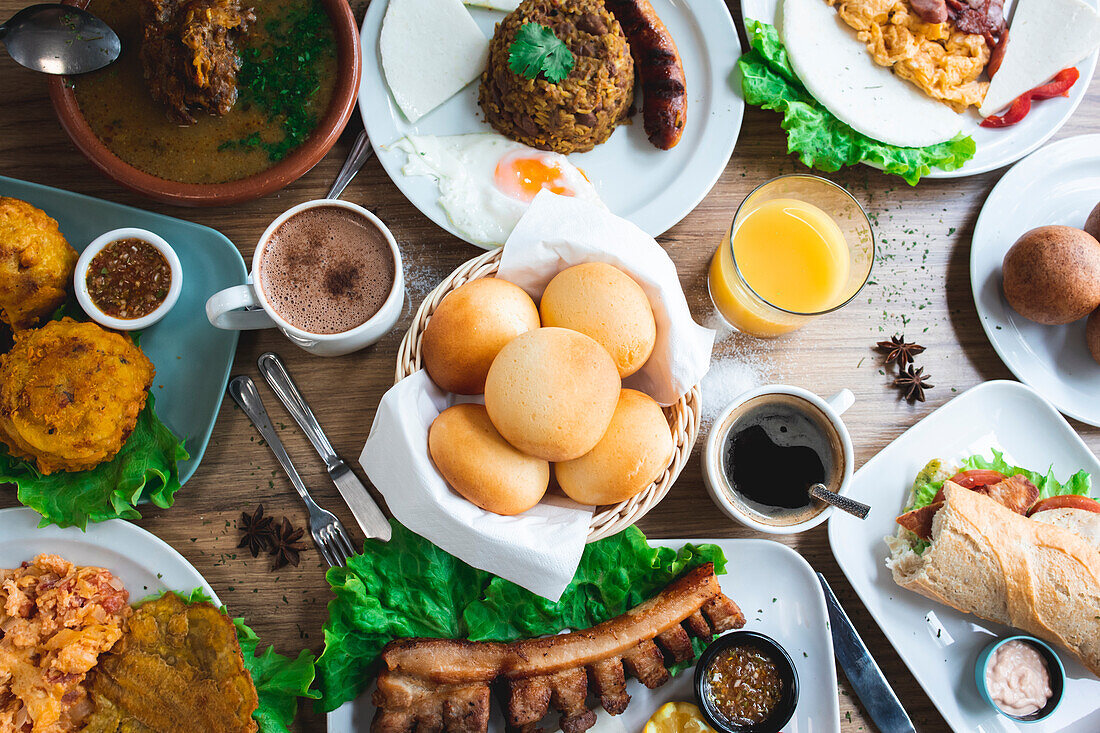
<point>192,358</point>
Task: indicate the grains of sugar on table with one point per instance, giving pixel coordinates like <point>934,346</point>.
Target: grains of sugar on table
<point>737,365</point>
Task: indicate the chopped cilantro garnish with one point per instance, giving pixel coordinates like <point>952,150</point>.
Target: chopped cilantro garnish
<point>537,50</point>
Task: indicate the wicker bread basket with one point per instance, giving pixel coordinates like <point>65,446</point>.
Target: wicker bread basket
<point>683,416</point>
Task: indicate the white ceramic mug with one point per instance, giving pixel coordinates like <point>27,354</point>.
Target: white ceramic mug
<point>246,307</point>
<point>713,462</point>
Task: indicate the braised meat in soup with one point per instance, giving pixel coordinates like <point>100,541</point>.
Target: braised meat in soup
<point>189,53</point>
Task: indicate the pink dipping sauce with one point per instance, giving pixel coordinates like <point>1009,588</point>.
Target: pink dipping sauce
<point>1018,679</point>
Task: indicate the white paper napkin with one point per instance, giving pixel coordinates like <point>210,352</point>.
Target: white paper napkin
<point>560,231</point>
<point>539,549</point>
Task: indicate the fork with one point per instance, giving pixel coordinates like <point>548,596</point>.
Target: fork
<point>327,530</point>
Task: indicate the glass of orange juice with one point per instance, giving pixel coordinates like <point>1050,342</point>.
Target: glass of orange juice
<point>800,246</point>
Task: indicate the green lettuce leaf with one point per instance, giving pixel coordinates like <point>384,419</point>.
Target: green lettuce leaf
<point>818,138</point>
<point>929,482</point>
<point>409,587</point>
<point>279,680</point>
<point>145,469</point>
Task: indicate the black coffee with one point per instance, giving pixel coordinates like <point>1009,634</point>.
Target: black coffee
<point>774,452</point>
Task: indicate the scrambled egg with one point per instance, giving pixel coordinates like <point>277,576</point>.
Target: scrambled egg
<point>944,62</point>
<point>55,621</point>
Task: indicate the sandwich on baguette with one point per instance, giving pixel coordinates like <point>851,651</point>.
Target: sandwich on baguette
<point>1010,546</point>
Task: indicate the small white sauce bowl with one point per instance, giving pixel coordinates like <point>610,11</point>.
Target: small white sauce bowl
<point>80,279</point>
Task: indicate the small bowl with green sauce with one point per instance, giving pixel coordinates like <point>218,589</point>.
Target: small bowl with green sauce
<point>745,682</point>
<point>128,279</point>
<point>300,64</point>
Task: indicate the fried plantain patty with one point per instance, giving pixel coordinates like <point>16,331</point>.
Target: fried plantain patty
<point>177,668</point>
<point>70,394</point>
<point>36,264</point>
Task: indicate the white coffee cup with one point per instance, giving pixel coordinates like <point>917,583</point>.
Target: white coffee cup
<point>246,307</point>
<point>727,498</point>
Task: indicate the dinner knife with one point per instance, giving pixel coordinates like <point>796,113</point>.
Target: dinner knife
<point>863,672</point>
<point>370,518</point>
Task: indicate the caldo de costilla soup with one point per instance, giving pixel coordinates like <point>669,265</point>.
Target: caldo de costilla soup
<point>1018,679</point>
<point>327,269</point>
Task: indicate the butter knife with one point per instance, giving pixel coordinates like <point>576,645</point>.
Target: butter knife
<point>871,687</point>
<point>370,518</point>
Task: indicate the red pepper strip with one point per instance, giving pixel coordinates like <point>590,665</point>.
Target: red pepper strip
<point>1059,86</point>
<point>1016,112</point>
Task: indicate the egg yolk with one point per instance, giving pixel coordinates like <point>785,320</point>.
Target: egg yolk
<point>522,177</point>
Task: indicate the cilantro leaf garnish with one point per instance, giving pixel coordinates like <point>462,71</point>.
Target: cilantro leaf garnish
<point>537,50</point>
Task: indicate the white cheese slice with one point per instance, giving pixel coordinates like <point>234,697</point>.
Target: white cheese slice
<point>1045,37</point>
<point>430,50</point>
<point>836,69</point>
<point>505,5</point>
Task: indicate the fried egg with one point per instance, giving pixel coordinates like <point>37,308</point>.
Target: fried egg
<point>487,181</point>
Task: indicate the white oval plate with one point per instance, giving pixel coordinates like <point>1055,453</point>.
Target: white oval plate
<point>653,188</point>
<point>1005,415</point>
<point>144,563</point>
<point>781,597</point>
<point>1057,185</point>
<point>996,148</point>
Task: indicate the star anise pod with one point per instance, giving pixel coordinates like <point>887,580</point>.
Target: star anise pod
<point>257,531</point>
<point>913,382</point>
<point>898,350</point>
<point>284,547</point>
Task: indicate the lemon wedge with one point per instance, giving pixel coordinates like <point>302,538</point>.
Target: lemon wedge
<point>678,717</point>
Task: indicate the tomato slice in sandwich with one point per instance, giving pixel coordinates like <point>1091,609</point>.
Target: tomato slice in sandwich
<point>977,477</point>
<point>1071,501</point>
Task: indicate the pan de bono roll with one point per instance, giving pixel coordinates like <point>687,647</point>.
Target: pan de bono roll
<point>551,393</point>
<point>468,329</point>
<point>603,302</point>
<point>630,456</point>
<point>481,465</point>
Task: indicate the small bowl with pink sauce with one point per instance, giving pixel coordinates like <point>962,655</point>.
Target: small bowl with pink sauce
<point>1021,677</point>
<point>128,279</point>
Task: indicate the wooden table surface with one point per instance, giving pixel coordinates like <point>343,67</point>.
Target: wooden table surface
<point>921,287</point>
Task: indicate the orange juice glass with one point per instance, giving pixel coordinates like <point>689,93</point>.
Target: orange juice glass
<point>800,246</point>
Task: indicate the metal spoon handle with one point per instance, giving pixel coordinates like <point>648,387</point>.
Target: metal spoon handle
<point>360,152</point>
<point>843,503</point>
<point>243,391</point>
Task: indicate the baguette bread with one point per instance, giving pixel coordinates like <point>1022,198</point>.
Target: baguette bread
<point>1004,567</point>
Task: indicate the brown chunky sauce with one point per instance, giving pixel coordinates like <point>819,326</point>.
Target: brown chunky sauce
<point>129,278</point>
<point>744,685</point>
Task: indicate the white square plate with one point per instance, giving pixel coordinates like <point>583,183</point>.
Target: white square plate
<point>781,597</point>
<point>1010,417</point>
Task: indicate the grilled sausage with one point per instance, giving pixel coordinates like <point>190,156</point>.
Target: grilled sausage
<point>662,72</point>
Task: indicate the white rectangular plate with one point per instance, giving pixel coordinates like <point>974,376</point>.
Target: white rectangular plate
<point>1005,415</point>
<point>780,596</point>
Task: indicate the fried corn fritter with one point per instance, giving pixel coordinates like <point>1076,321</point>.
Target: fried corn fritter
<point>36,264</point>
<point>178,668</point>
<point>70,394</point>
<point>56,620</point>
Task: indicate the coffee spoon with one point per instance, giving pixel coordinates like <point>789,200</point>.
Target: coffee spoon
<point>853,507</point>
<point>360,152</point>
<point>59,39</point>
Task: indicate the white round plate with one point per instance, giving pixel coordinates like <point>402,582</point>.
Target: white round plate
<point>996,147</point>
<point>144,563</point>
<point>1057,185</point>
<point>653,188</point>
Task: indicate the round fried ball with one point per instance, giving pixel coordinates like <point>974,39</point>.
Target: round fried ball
<point>36,264</point>
<point>1092,224</point>
<point>552,392</point>
<point>634,451</point>
<point>603,302</point>
<point>1052,275</point>
<point>470,327</point>
<point>1092,334</point>
<point>70,394</point>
